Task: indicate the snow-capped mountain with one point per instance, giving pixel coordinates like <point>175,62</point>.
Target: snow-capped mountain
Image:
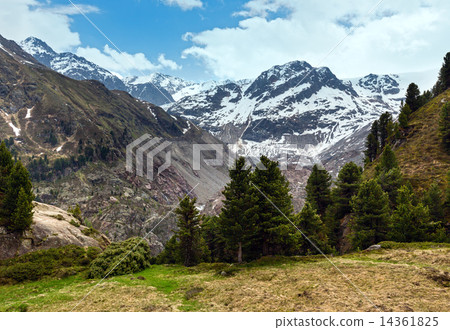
<point>77,67</point>
<point>177,87</point>
<point>69,64</point>
<point>294,104</point>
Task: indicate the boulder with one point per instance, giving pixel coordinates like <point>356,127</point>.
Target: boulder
<point>373,247</point>
<point>52,227</point>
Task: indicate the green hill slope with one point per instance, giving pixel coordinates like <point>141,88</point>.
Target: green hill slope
<point>420,154</point>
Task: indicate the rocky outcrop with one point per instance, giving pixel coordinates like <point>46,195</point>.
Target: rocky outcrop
<point>52,228</point>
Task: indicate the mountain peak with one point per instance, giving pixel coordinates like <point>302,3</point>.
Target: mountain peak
<point>39,49</point>
<point>33,46</point>
<point>384,84</point>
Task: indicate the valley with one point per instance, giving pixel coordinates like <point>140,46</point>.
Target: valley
<point>363,183</point>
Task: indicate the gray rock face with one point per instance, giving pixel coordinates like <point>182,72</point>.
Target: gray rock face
<point>52,228</point>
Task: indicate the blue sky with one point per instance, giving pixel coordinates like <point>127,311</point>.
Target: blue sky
<point>221,39</point>
<point>151,27</point>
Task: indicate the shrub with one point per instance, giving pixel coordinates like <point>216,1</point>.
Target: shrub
<point>59,262</point>
<point>74,223</point>
<point>130,256</point>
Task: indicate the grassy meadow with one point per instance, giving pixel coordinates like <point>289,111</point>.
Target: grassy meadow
<point>399,277</point>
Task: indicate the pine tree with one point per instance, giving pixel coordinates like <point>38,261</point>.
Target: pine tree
<point>375,131</point>
<point>212,234</point>
<point>413,97</point>
<point>404,116</point>
<point>274,234</point>
<point>238,216</point>
<point>347,185</point>
<point>17,180</point>
<point>433,199</point>
<point>390,181</point>
<point>371,215</point>
<point>371,147</point>
<point>318,189</point>
<point>311,225</point>
<point>384,128</point>
<point>443,82</point>
<point>408,220</point>
<point>6,165</point>
<point>403,120</point>
<point>425,98</point>
<point>388,159</point>
<point>22,217</point>
<point>189,231</point>
<point>389,175</point>
<point>171,252</point>
<point>447,197</point>
<point>444,126</point>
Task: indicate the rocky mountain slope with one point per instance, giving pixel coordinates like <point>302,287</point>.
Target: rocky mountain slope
<point>52,228</point>
<point>74,135</point>
<point>77,67</point>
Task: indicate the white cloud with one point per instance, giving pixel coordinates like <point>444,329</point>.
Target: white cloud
<point>398,36</point>
<point>184,4</point>
<point>20,19</point>
<point>168,63</point>
<point>124,63</point>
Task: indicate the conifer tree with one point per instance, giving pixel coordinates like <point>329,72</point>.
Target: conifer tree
<point>408,220</point>
<point>318,189</point>
<point>384,128</point>
<point>389,174</point>
<point>388,159</point>
<point>403,120</point>
<point>371,147</point>
<point>171,252</point>
<point>390,181</point>
<point>213,237</point>
<point>444,126</point>
<point>371,215</point>
<point>312,226</point>
<point>22,217</point>
<point>425,98</point>
<point>413,97</point>
<point>6,165</point>
<point>274,234</point>
<point>374,129</point>
<point>18,180</point>
<point>189,231</point>
<point>404,116</point>
<point>447,197</point>
<point>347,185</point>
<point>238,215</point>
<point>433,199</point>
<point>443,82</point>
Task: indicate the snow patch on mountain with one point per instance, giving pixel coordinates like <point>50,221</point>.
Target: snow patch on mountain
<point>15,129</point>
<point>296,103</point>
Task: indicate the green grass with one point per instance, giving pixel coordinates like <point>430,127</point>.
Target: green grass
<point>44,292</point>
<point>398,275</point>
